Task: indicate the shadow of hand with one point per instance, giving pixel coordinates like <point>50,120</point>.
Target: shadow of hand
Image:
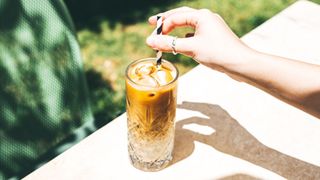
<point>231,138</point>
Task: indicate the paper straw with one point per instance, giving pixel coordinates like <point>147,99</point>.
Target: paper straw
<point>159,32</point>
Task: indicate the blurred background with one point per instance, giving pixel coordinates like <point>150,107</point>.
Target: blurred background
<point>112,34</point>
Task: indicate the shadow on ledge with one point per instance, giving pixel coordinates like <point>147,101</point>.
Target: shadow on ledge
<point>231,138</point>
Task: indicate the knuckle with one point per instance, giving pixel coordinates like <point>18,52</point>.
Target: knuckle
<point>209,14</point>
<point>216,15</point>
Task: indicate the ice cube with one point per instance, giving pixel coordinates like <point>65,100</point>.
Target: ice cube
<point>147,81</point>
<point>163,77</point>
<point>145,69</point>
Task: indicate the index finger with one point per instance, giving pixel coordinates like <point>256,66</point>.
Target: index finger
<point>153,19</point>
<point>180,19</point>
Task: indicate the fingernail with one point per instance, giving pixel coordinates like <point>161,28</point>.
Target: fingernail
<point>150,41</point>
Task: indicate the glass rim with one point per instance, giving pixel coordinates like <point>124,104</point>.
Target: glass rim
<point>147,59</point>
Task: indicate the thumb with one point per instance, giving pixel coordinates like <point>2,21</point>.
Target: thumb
<point>168,43</point>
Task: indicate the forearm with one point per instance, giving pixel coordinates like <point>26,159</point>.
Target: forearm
<point>294,82</point>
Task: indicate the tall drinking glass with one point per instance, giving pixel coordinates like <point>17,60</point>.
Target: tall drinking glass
<point>151,93</point>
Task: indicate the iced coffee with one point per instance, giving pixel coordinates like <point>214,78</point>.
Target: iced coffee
<point>151,92</point>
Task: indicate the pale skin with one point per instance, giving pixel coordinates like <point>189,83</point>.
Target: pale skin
<point>216,46</point>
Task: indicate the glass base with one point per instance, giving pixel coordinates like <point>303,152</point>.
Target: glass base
<point>151,155</point>
<point>156,165</point>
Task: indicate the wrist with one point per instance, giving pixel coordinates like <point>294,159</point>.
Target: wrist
<point>241,61</point>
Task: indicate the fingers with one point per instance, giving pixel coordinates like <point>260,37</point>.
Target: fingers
<point>178,19</point>
<point>153,19</point>
<point>184,16</point>
<point>164,43</point>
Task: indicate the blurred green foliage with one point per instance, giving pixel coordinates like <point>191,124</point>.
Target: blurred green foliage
<point>113,35</point>
<point>43,92</point>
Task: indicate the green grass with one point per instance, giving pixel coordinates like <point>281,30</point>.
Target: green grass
<point>109,50</point>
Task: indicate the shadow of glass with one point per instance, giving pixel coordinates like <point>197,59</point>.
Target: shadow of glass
<point>233,139</point>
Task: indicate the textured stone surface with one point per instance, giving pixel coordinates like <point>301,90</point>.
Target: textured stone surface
<point>227,129</point>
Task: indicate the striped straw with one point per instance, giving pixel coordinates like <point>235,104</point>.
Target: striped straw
<point>159,32</point>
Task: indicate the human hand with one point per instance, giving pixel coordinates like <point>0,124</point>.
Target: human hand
<point>213,43</point>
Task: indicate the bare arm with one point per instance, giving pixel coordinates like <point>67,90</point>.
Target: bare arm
<point>216,46</point>
<point>294,82</point>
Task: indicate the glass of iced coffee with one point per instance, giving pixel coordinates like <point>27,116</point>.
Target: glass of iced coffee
<point>151,92</point>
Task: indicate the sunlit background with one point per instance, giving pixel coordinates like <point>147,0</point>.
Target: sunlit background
<point>43,96</point>
<point>112,34</point>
